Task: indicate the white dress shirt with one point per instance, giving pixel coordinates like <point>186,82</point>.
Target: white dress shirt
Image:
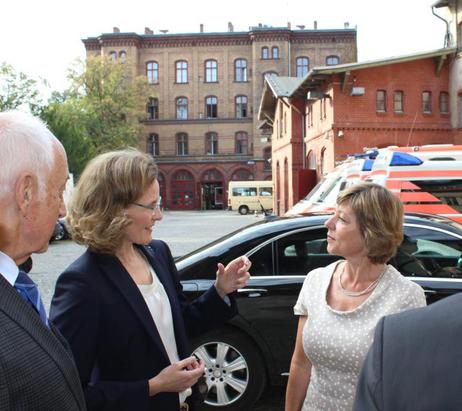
<point>156,299</point>
<point>8,268</point>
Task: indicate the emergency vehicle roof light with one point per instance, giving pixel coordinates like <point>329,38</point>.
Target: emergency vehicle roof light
<point>404,159</point>
<point>367,166</point>
<point>368,154</point>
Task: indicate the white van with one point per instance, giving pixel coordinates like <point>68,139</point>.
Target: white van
<point>245,196</point>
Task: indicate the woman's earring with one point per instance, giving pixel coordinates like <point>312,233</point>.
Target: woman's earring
<point>125,213</point>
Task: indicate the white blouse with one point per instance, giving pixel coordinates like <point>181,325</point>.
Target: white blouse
<point>159,306</point>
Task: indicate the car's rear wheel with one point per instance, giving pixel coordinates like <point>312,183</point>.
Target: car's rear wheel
<point>234,370</point>
<point>243,210</point>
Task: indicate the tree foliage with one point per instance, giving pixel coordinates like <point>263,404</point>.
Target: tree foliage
<point>17,90</point>
<point>100,111</point>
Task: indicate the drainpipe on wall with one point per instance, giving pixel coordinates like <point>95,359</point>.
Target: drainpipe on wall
<point>303,118</point>
<point>448,36</point>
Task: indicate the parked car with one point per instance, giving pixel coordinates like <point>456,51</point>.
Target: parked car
<point>255,348</point>
<point>60,231</point>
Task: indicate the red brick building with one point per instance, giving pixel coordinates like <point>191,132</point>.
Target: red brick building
<point>339,110</point>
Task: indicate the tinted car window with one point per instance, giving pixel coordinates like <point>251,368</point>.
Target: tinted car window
<point>262,261</point>
<point>439,253</point>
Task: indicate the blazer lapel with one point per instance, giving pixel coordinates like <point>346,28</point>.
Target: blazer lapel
<point>165,278</point>
<point>24,315</point>
<point>115,273</point>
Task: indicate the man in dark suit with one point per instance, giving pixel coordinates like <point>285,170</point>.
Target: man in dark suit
<point>415,362</point>
<point>37,371</point>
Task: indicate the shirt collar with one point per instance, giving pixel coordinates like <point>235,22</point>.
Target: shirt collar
<point>8,268</point>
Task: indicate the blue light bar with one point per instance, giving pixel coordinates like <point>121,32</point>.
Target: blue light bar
<point>404,159</point>
<point>367,166</point>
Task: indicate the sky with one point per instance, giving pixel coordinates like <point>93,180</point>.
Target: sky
<point>43,37</point>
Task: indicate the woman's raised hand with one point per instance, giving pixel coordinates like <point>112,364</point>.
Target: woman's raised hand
<point>232,277</point>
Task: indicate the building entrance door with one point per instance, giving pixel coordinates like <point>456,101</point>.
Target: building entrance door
<point>183,191</point>
<point>212,196</point>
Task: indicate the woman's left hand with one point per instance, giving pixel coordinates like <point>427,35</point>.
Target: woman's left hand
<point>232,277</point>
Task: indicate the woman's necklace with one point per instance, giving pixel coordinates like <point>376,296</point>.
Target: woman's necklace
<point>367,290</point>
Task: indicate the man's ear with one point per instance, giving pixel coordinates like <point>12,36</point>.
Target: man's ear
<point>25,189</point>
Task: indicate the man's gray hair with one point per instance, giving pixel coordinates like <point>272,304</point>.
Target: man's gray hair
<point>26,145</point>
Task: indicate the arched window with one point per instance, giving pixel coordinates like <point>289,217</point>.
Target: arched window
<point>113,56</point>
<point>181,70</point>
<point>241,106</point>
<point>211,71</point>
<point>211,107</point>
<point>265,53</point>
<point>153,108</point>
<point>381,101</point>
<point>332,60</point>
<point>183,175</point>
<point>444,102</point>
<point>152,72</point>
<point>123,56</point>
<point>153,144</point>
<point>182,108</point>
<point>242,174</point>
<point>275,52</point>
<point>398,100</point>
<point>241,143</point>
<point>267,74</point>
<point>240,70</point>
<point>303,66</point>
<point>427,102</point>
<point>211,144</point>
<point>182,144</point>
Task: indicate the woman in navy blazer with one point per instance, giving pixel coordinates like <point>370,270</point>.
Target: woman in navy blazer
<point>120,305</point>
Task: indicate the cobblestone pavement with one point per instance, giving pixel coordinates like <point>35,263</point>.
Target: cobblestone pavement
<point>184,232</point>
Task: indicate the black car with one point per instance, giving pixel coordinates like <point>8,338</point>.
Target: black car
<point>255,348</point>
<point>60,231</point>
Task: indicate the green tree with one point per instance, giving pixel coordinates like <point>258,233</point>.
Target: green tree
<point>17,90</point>
<point>100,111</point>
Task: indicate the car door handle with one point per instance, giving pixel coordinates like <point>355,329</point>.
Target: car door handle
<point>252,292</point>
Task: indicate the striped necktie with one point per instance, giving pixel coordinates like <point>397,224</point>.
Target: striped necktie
<point>30,293</point>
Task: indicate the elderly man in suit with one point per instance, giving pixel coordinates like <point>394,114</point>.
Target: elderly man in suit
<point>37,371</point>
<point>415,361</point>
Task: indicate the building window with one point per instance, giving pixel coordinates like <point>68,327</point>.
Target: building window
<point>182,108</point>
<point>211,143</point>
<point>240,70</point>
<point>123,56</point>
<point>181,71</point>
<point>459,111</point>
<point>332,60</point>
<point>242,143</point>
<point>241,106</point>
<point>381,101</point>
<point>211,107</point>
<point>267,158</point>
<point>242,175</point>
<point>182,144</point>
<point>303,66</point>
<point>113,56</point>
<point>275,52</point>
<point>152,72</point>
<point>211,71</point>
<point>398,98</point>
<point>264,53</point>
<point>444,102</point>
<point>153,144</point>
<point>267,74</point>
<point>153,108</point>
<point>427,101</point>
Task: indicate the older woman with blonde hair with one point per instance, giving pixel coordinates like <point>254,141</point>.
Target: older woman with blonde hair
<point>340,305</point>
<point>120,305</point>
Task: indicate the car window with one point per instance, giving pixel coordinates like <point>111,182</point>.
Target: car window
<point>301,252</point>
<point>262,261</point>
<point>439,254</point>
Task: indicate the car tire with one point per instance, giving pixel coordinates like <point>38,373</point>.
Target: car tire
<point>60,234</point>
<point>237,382</point>
<point>243,210</point>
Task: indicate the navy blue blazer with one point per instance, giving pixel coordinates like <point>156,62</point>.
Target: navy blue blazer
<point>117,348</point>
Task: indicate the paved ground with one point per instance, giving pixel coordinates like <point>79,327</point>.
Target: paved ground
<point>184,232</point>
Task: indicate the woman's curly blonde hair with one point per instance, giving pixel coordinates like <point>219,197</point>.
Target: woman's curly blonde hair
<point>109,183</point>
<point>380,217</point>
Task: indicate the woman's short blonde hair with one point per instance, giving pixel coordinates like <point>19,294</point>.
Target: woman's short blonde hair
<point>380,218</point>
<point>109,183</point>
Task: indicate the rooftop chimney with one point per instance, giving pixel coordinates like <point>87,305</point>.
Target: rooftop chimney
<point>230,27</point>
<point>346,24</point>
<point>201,28</point>
<point>147,30</point>
<point>289,26</point>
<point>315,25</point>
<point>260,25</point>
<point>115,30</point>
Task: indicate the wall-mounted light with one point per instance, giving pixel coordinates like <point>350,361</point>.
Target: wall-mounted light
<point>340,134</point>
